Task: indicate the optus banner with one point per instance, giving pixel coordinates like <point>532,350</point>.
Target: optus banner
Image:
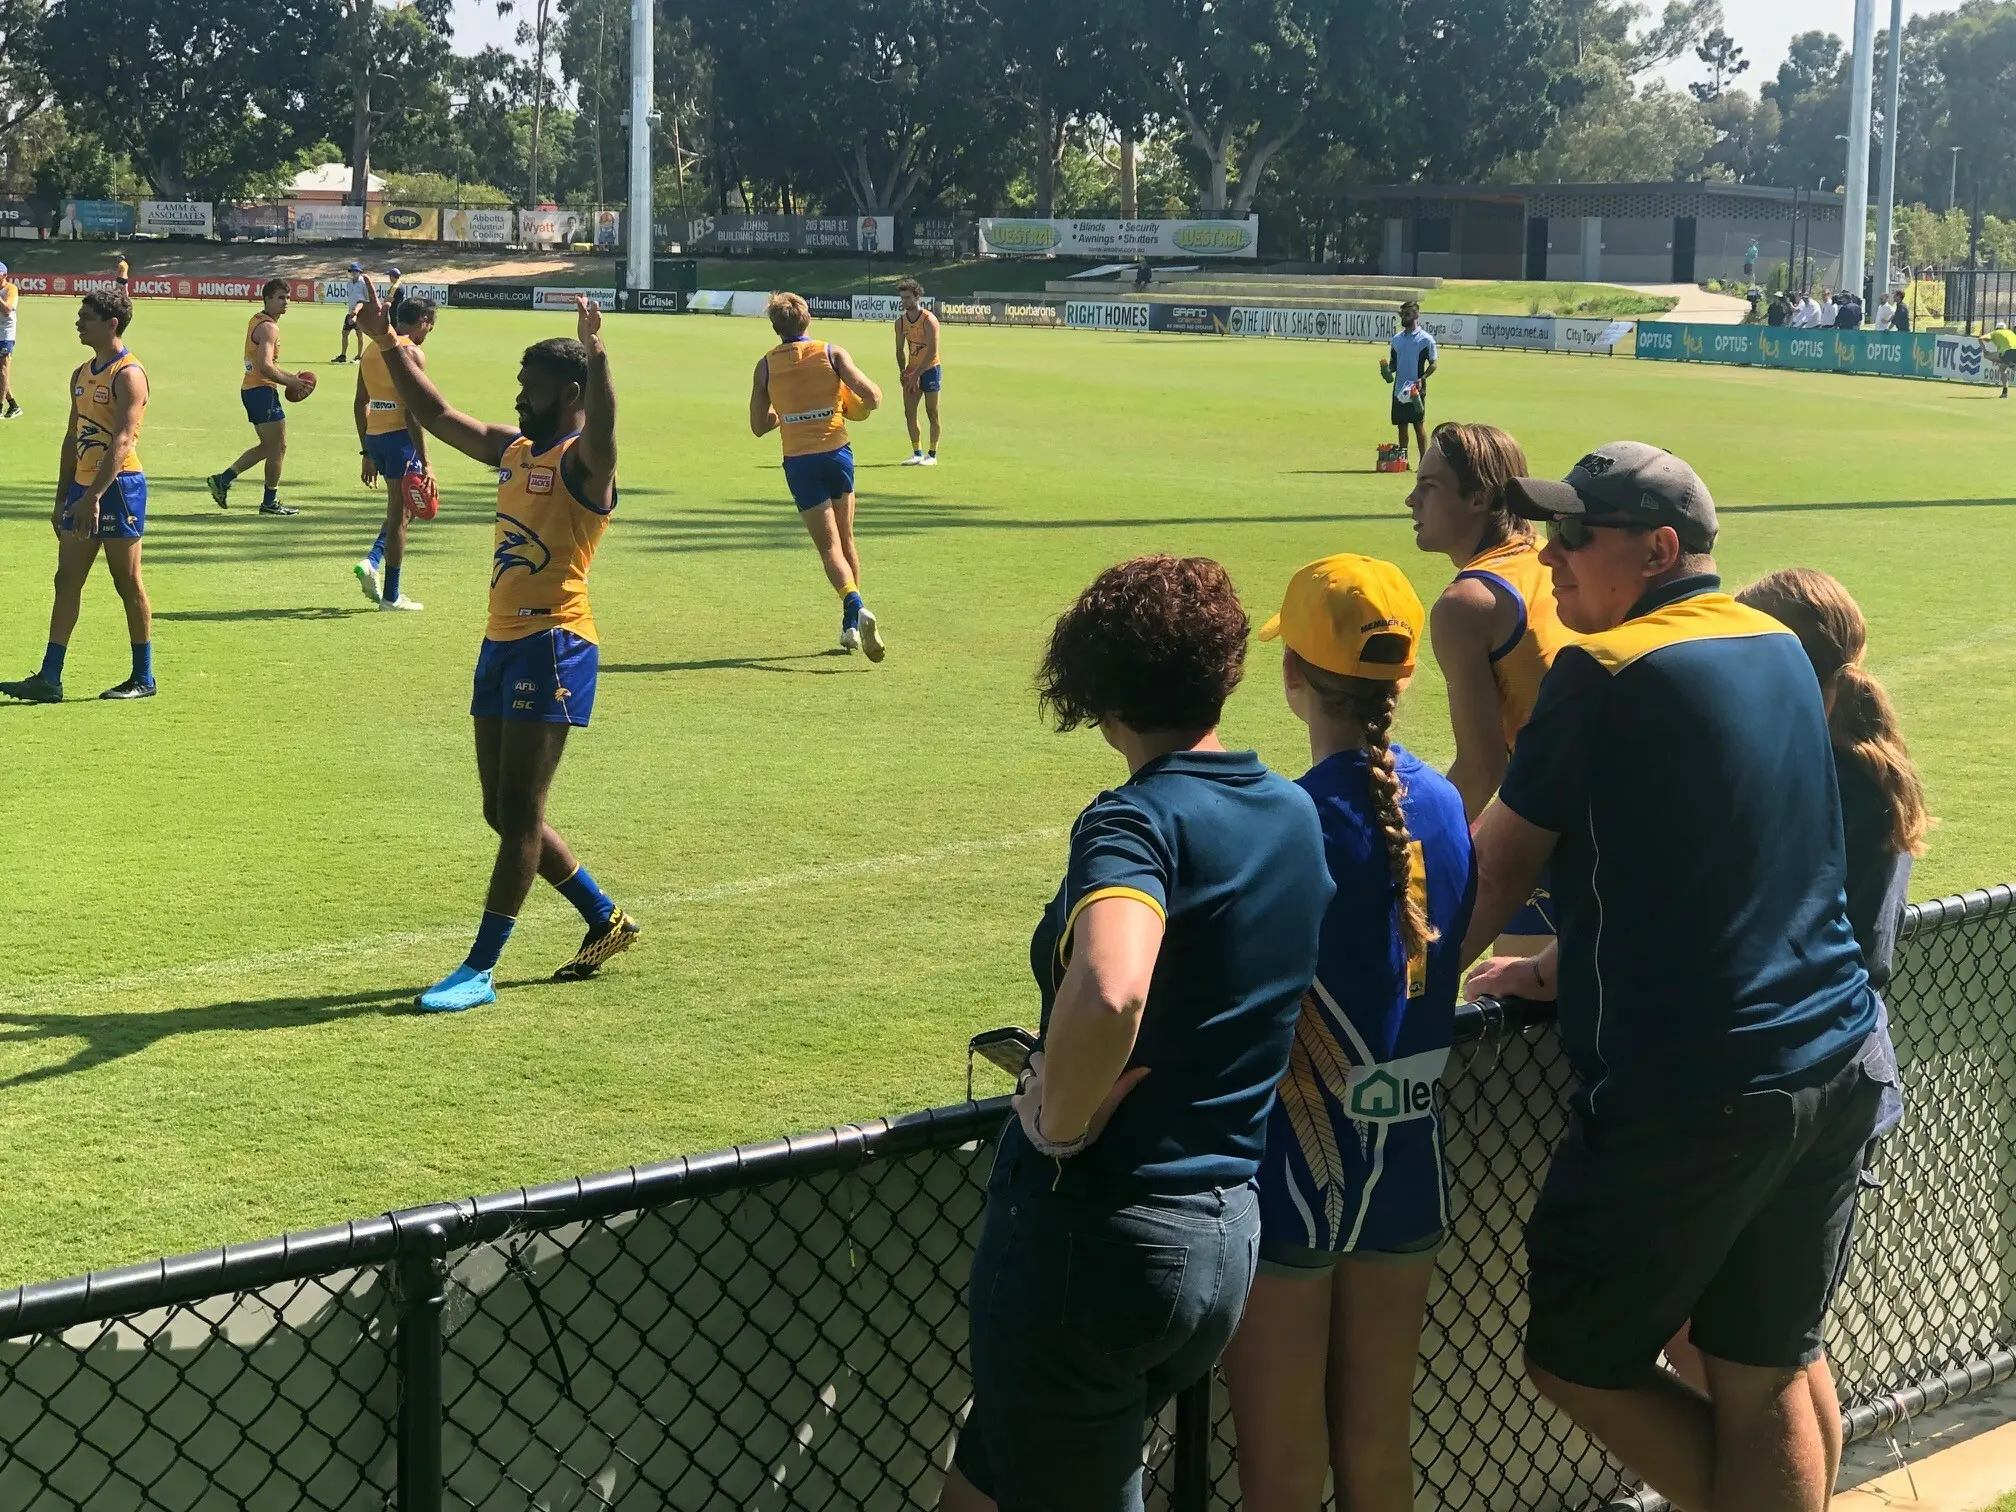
<point>1891,354</point>
<point>1002,236</point>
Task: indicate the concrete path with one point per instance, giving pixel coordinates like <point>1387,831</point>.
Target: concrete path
<point>1960,1459</point>
<point>1696,303</point>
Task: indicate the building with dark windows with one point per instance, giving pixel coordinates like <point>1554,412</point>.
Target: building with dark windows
<point>1602,233</point>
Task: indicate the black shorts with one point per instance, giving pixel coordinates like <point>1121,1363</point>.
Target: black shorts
<point>1738,1217</point>
<point>1411,414</point>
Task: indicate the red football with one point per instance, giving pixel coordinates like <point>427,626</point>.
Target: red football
<point>302,390</point>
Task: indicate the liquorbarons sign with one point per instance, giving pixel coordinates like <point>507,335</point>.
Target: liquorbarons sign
<point>1002,236</point>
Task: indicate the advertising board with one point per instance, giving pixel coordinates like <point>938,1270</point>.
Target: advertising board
<point>315,221</point>
<point>96,218</point>
<point>176,218</point>
<point>403,223</point>
<point>480,228</point>
<point>1004,236</point>
<point>1107,315</point>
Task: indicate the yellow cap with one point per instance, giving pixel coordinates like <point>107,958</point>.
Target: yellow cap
<point>1353,615</point>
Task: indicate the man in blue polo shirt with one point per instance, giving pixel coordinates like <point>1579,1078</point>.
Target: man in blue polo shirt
<point>1677,778</point>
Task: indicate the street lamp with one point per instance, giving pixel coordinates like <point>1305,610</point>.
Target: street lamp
<point>1952,176</point>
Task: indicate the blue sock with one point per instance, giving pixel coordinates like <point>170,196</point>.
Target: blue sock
<point>230,475</point>
<point>391,589</point>
<point>490,937</point>
<point>272,494</point>
<point>376,555</point>
<point>594,905</point>
<point>143,661</point>
<point>850,611</point>
<point>52,662</point>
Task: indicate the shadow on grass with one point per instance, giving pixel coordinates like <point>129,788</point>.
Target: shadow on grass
<point>110,1037</point>
<point>750,664</point>
<point>323,612</point>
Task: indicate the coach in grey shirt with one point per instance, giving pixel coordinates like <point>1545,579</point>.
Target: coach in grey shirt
<point>1677,780</point>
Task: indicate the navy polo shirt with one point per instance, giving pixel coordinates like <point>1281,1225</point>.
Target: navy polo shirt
<point>1231,855</point>
<point>1683,760</point>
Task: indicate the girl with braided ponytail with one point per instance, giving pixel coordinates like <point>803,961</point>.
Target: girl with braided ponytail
<point>1354,1200</point>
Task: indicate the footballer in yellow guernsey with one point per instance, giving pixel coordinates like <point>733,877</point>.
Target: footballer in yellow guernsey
<point>923,373</point>
<point>392,443</point>
<point>101,499</point>
<point>260,389</point>
<point>807,391</point>
<point>536,669</point>
<point>10,298</point>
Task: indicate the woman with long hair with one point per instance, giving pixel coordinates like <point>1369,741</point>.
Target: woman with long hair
<point>1494,630</point>
<point>1354,1203</point>
<point>1121,1221</point>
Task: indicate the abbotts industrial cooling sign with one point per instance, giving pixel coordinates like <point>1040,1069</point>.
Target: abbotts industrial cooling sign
<point>399,218</point>
<point>1213,238</point>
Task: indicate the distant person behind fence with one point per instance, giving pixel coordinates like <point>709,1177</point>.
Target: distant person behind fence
<point>1678,776</point>
<point>1354,1200</point>
<point>1900,315</point>
<point>1121,1219</point>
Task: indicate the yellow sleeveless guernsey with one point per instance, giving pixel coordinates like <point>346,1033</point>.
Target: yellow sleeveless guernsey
<point>544,544</point>
<point>384,413</point>
<point>912,345</point>
<point>806,391</point>
<point>252,352</point>
<point>91,391</point>
<point>1520,663</point>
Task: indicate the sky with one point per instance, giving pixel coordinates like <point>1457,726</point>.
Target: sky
<point>1761,27</point>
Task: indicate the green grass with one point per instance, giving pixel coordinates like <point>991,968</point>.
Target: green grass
<point>2002,1504</point>
<point>220,902</point>
<point>1513,298</point>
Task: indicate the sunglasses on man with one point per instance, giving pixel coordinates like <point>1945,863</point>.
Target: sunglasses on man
<point>1573,532</point>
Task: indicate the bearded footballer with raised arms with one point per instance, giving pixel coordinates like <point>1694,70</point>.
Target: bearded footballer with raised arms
<point>536,672</point>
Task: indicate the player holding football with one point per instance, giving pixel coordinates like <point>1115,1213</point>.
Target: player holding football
<point>809,390</point>
<point>1408,364</point>
<point>536,672</point>
<point>101,499</point>
<point>260,391</point>
<point>391,441</point>
<point>917,333</point>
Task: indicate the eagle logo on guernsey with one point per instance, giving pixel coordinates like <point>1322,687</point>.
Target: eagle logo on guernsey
<point>518,545</point>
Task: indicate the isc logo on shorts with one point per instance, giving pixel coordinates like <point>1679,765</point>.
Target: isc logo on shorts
<point>539,480</point>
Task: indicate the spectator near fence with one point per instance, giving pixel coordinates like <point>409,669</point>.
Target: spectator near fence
<point>1900,313</point>
<point>1354,1200</point>
<point>1121,1221</point>
<point>1678,775</point>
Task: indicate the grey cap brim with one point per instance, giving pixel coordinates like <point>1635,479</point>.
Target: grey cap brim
<point>1543,498</point>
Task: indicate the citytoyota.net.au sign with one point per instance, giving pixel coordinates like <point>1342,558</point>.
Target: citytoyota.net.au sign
<point>1002,236</point>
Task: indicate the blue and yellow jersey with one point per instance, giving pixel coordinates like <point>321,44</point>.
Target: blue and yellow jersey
<point>544,544</point>
<point>920,335</point>
<point>1523,659</point>
<point>122,270</point>
<point>91,398</point>
<point>10,299</point>
<point>806,392</point>
<point>384,411</point>
<point>252,380</point>
<point>1354,1145</point>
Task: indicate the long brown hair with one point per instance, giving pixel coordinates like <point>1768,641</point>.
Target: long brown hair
<point>1370,704</point>
<point>1862,723</point>
<point>1485,460</point>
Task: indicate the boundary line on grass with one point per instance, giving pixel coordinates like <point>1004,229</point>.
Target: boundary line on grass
<point>337,950</point>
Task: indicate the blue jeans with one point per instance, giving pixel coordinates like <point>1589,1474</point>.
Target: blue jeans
<point>1086,1317</point>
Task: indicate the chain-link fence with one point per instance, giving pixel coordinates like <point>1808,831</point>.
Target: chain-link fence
<point>782,1326</point>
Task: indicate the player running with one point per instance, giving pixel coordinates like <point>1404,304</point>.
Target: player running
<point>1408,364</point>
<point>809,390</point>
<point>391,441</point>
<point>101,499</point>
<point>917,333</point>
<point>10,300</point>
<point>536,672</point>
<point>260,391</point>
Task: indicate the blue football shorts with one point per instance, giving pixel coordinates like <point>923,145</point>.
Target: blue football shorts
<point>820,478</point>
<point>548,678</point>
<point>262,405</point>
<point>122,513</point>
<point>932,379</point>
<point>391,451</point>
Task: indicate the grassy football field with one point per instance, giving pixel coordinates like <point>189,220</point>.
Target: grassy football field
<point>220,903</point>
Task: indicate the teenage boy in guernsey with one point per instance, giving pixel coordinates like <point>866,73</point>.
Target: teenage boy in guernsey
<point>536,671</point>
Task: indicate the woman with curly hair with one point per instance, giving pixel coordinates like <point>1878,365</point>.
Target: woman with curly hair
<point>1354,1201</point>
<point>1121,1223</point>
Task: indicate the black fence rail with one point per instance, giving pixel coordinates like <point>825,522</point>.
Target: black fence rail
<point>781,1325</point>
<point>1980,299</point>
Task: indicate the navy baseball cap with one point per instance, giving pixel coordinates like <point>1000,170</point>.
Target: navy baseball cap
<point>1625,483</point>
<point>356,267</point>
<point>393,272</point>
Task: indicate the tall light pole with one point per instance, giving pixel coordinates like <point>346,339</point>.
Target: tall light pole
<point>1855,211</point>
<point>637,243</point>
<point>1952,177</point>
<point>1892,89</point>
